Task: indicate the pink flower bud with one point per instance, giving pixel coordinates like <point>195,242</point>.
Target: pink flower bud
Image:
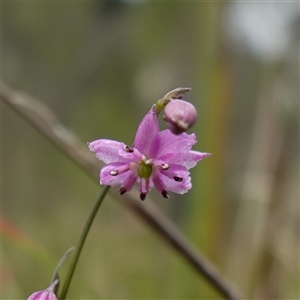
<point>180,115</point>
<point>47,294</point>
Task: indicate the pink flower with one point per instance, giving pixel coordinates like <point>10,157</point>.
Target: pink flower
<point>47,294</point>
<point>158,159</point>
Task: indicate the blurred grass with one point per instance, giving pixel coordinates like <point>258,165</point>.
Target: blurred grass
<point>100,66</point>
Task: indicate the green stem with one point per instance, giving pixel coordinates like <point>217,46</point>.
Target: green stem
<point>82,239</point>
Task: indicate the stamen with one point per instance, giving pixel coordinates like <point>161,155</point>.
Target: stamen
<point>122,190</point>
<point>178,179</point>
<point>165,167</point>
<point>128,149</point>
<point>143,196</point>
<point>114,173</point>
<point>165,194</point>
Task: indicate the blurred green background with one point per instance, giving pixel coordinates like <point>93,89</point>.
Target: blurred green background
<point>100,66</point>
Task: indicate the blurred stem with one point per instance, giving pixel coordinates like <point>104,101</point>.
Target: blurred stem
<point>82,239</point>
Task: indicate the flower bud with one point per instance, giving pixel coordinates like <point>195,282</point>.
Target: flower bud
<point>47,294</point>
<point>180,115</point>
<point>174,94</point>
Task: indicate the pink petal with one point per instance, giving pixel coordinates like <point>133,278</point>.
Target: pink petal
<point>134,156</point>
<point>129,182</point>
<point>188,160</point>
<point>146,133</point>
<point>158,183</point>
<point>42,295</point>
<point>108,151</point>
<point>47,294</point>
<point>174,186</point>
<point>175,170</point>
<point>170,143</point>
<point>107,179</point>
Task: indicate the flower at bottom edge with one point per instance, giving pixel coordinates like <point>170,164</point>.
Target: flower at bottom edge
<point>47,294</point>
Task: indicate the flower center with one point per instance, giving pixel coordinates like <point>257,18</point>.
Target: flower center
<point>145,169</point>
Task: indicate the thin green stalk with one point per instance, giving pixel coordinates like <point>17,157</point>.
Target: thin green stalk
<point>81,241</point>
<point>55,274</point>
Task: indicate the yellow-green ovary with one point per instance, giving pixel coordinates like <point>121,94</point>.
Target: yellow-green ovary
<point>144,170</point>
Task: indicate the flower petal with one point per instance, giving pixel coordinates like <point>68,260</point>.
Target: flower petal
<point>171,143</point>
<point>170,184</point>
<point>158,183</point>
<point>107,179</point>
<point>47,294</point>
<point>129,182</point>
<point>188,160</point>
<point>108,151</point>
<point>134,156</point>
<point>175,170</point>
<point>146,133</point>
<point>42,295</point>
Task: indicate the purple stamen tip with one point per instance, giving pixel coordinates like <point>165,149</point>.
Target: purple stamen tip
<point>122,190</point>
<point>128,149</point>
<point>143,196</point>
<point>178,179</point>
<point>165,194</point>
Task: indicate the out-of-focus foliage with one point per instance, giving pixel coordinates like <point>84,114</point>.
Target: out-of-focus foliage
<point>100,66</point>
